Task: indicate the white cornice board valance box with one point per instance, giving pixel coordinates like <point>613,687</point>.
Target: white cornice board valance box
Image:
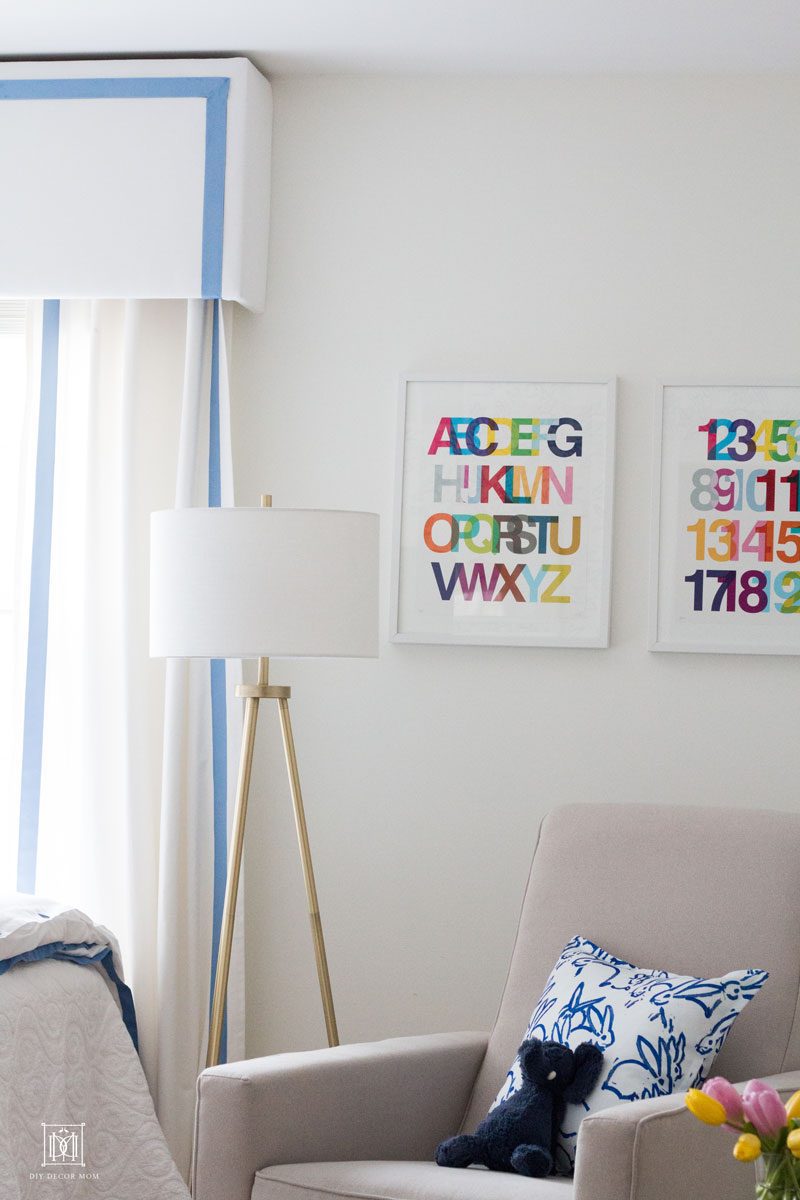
<point>135,178</point>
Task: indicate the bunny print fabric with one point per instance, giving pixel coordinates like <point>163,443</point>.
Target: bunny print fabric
<point>659,1032</point>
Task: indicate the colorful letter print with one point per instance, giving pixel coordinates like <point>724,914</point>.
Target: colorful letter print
<point>503,523</point>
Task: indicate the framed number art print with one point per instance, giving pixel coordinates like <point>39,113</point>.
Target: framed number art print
<point>726,520</point>
<point>503,512</point>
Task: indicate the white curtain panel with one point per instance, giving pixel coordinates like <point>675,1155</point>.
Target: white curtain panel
<point>137,768</point>
<point>202,736</point>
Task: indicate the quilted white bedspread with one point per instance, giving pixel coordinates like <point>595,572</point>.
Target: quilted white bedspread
<point>66,1060</point>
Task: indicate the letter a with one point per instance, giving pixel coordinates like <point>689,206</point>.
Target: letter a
<point>445,438</point>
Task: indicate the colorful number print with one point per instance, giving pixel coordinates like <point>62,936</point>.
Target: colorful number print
<point>746,516</point>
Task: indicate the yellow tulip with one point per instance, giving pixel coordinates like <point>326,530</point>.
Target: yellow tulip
<point>793,1106</point>
<point>705,1107</point>
<point>793,1142</point>
<point>747,1148</point>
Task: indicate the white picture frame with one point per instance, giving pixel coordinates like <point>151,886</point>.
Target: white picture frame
<point>720,569</point>
<point>488,600</point>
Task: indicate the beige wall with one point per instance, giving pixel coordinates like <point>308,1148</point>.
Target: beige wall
<point>553,227</point>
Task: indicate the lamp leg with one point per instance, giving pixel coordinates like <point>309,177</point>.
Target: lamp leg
<point>308,874</point>
<point>232,881</point>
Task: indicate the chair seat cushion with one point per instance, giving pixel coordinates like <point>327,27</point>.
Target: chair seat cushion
<point>394,1180</point>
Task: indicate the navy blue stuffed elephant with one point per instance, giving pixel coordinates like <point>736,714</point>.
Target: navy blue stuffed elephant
<point>519,1135</point>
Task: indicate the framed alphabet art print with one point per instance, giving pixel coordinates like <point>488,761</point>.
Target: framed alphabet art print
<point>725,572</point>
<point>503,512</point>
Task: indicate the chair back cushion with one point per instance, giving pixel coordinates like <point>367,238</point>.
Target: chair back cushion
<point>695,891</point>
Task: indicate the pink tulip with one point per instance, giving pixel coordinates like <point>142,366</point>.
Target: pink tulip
<point>726,1094</point>
<point>764,1108</point>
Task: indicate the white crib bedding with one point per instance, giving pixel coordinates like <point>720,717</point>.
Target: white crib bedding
<point>67,1060</point>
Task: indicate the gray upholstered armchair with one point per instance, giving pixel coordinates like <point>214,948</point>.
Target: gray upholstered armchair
<point>679,888</point>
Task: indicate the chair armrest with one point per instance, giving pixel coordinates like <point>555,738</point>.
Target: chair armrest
<point>656,1150</point>
<point>787,1083</point>
<point>392,1099</point>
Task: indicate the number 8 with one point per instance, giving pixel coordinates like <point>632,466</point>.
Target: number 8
<point>704,480</point>
<point>754,584</point>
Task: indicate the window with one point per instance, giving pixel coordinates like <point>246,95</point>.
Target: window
<point>14,372</point>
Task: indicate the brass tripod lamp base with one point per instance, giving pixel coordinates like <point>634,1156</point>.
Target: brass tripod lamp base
<point>252,697</point>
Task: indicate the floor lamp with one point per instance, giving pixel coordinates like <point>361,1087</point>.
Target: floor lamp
<point>260,583</point>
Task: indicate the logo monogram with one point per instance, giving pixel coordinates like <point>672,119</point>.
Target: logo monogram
<point>62,1145</point>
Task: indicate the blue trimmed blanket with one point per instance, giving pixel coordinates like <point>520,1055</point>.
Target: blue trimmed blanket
<point>32,929</point>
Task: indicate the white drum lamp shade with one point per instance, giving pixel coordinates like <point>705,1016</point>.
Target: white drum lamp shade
<point>263,582</point>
